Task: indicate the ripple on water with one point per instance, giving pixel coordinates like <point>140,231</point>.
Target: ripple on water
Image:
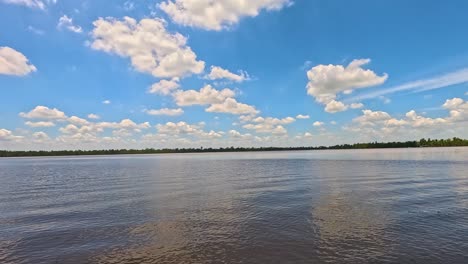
<point>378,206</point>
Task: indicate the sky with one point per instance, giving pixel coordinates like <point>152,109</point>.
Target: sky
<point>203,73</point>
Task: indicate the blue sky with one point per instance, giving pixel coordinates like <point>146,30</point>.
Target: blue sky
<point>183,73</point>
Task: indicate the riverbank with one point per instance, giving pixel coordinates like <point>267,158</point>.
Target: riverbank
<point>452,142</point>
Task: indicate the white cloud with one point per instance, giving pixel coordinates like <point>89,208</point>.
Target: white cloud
<point>234,133</point>
<point>183,134</point>
<point>13,62</point>
<point>268,124</point>
<point>274,121</point>
<point>441,81</point>
<point>318,124</point>
<point>302,116</point>
<point>206,95</point>
<point>7,135</point>
<point>327,81</point>
<point>231,106</point>
<point>356,105</point>
<point>383,125</point>
<point>216,15</point>
<point>165,87</point>
<point>369,117</point>
<point>38,4</point>
<point>43,112</point>
<point>78,121</point>
<point>93,116</point>
<point>165,111</point>
<point>220,101</point>
<point>420,121</point>
<point>40,124</point>
<point>455,103</point>
<point>67,23</point>
<point>211,135</point>
<point>106,102</point>
<point>73,129</point>
<point>40,137</point>
<point>217,73</point>
<point>89,133</point>
<point>279,130</point>
<point>124,124</point>
<point>171,128</point>
<point>150,47</point>
<point>335,106</point>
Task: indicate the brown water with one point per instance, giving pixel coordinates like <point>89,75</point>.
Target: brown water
<point>346,206</point>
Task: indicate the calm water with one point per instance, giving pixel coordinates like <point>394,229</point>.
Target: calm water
<point>358,206</point>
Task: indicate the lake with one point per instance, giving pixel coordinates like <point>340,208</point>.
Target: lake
<point>330,206</point>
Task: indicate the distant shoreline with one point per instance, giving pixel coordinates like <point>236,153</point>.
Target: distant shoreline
<point>453,142</point>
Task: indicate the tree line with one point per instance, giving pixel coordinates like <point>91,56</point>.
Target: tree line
<point>451,142</point>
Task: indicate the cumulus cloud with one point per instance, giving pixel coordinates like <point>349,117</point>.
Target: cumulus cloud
<point>66,22</point>
<point>219,101</point>
<point>13,62</point>
<point>40,124</point>
<point>165,87</point>
<point>420,121</point>
<point>356,105</point>
<point>148,44</point>
<point>206,95</point>
<point>7,135</point>
<point>455,103</point>
<point>369,117</point>
<point>279,130</point>
<point>335,106</point>
<point>106,102</point>
<point>78,121</point>
<point>216,15</point>
<point>183,133</point>
<point>382,124</point>
<point>73,129</point>
<point>124,124</point>
<point>231,106</point>
<point>238,135</point>
<point>274,120</point>
<point>90,132</point>
<point>171,128</point>
<point>327,81</point>
<point>79,130</point>
<point>217,73</point>
<point>165,111</point>
<point>93,116</point>
<point>268,124</point>
<point>44,112</point>
<point>302,116</point>
<point>40,137</point>
<point>318,124</point>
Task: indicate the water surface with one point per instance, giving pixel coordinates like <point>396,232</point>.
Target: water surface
<point>343,206</point>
